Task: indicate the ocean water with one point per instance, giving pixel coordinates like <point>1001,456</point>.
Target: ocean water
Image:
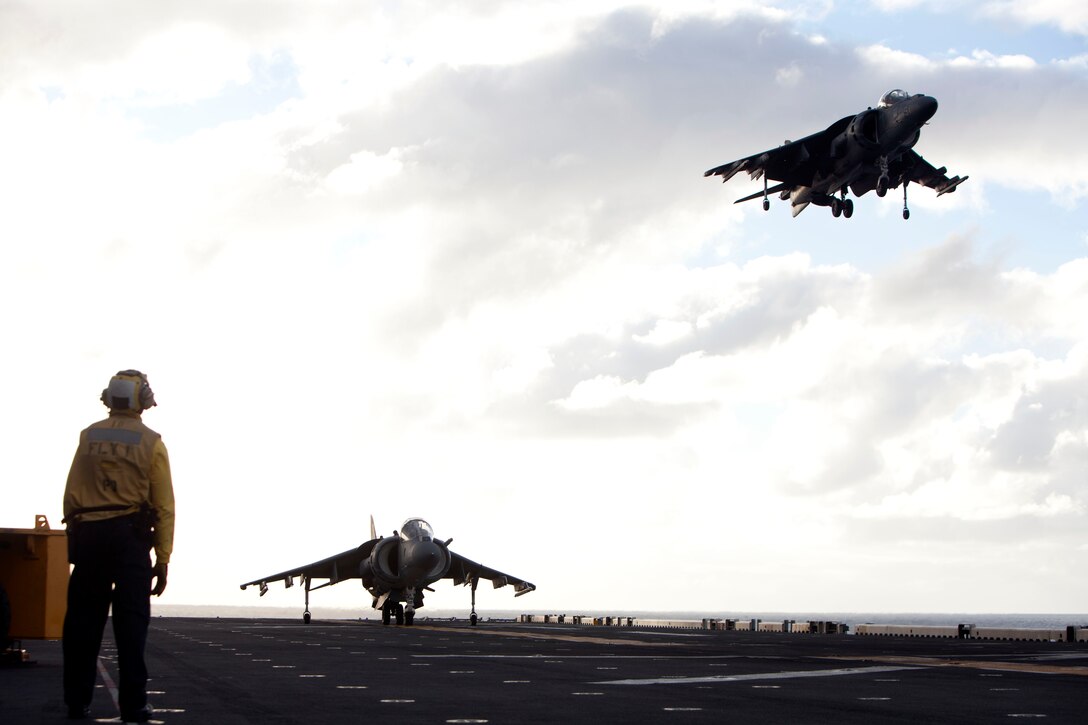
<point>1016,619</point>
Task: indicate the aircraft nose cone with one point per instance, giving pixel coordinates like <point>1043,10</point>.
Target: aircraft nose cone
<point>423,556</point>
<point>925,107</point>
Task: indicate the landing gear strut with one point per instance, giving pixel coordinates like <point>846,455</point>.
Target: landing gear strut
<point>306,611</point>
<point>409,606</point>
<point>392,611</point>
<point>766,201</point>
<point>906,211</point>
<point>472,618</point>
<point>883,181</point>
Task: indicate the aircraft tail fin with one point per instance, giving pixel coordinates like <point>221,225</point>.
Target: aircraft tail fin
<point>373,530</point>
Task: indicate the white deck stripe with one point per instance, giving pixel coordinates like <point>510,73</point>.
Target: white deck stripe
<point>758,676</point>
<point>581,657</point>
<point>112,688</point>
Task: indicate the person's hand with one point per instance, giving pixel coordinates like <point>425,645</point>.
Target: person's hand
<point>159,575</point>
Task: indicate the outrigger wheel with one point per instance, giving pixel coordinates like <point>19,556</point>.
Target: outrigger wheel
<point>306,617</point>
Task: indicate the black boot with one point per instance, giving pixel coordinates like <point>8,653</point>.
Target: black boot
<point>142,715</point>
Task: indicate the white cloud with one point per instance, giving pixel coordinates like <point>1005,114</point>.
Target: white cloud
<point>899,61</point>
<point>789,76</point>
<point>1069,15</point>
<point>185,63</point>
<point>472,251</point>
<point>665,332</point>
<point>364,171</point>
<point>986,59</point>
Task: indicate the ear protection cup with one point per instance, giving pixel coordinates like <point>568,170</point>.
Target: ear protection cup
<point>128,390</point>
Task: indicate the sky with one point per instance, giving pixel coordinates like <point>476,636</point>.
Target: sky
<point>460,261</point>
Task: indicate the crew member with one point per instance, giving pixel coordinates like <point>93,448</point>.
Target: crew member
<point>118,504</point>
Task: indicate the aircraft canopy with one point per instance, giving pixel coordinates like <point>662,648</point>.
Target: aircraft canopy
<point>416,530</point>
<point>892,97</point>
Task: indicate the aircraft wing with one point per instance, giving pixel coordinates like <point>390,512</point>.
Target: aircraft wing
<point>920,171</point>
<point>344,565</point>
<point>794,163</point>
<point>464,571</point>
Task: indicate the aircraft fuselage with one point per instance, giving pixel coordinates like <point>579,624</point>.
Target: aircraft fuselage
<point>861,153</point>
<point>871,150</point>
<point>400,567</point>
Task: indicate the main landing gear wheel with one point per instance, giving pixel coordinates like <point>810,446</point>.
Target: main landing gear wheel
<point>847,208</point>
<point>836,208</point>
<point>387,614</point>
<point>882,187</point>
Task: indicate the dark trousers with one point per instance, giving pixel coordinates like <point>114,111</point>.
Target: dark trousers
<point>112,566</point>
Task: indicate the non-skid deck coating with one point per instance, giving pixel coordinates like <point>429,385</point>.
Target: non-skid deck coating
<point>228,671</point>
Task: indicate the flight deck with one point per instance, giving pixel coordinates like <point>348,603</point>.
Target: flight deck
<point>231,671</point>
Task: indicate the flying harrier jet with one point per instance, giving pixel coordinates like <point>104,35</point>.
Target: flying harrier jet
<point>862,153</point>
<point>396,569</point>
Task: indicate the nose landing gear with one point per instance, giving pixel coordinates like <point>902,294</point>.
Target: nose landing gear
<point>883,182</point>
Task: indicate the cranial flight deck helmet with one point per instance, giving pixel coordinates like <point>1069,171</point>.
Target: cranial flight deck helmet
<point>129,390</point>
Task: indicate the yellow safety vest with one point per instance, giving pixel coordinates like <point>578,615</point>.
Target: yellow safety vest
<point>119,467</point>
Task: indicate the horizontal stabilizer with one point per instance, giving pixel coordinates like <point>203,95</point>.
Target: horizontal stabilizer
<point>771,190</point>
<point>952,184</point>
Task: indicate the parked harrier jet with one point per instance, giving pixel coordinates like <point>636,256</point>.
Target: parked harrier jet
<point>872,150</point>
<point>395,570</point>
